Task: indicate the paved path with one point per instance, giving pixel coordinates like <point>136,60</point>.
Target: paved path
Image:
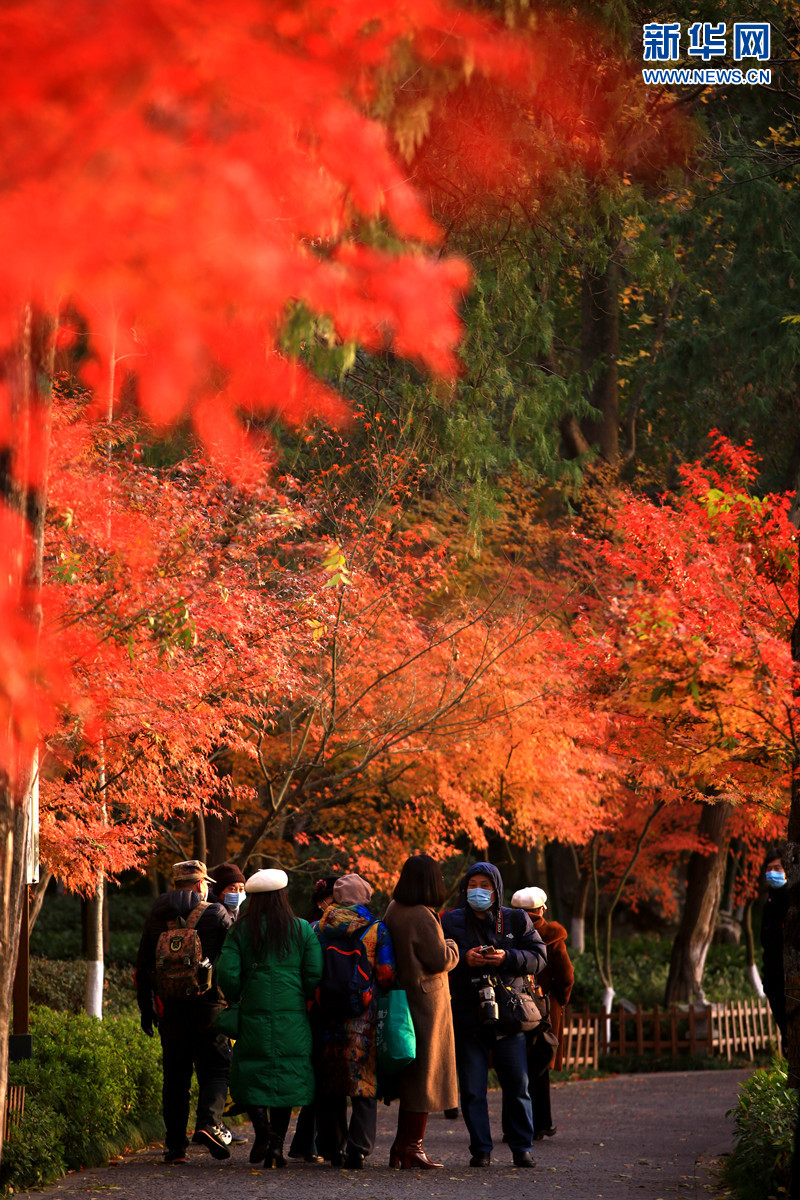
<point>645,1136</point>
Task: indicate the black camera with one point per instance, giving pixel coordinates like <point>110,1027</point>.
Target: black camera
<point>488,1011</point>
<point>205,975</point>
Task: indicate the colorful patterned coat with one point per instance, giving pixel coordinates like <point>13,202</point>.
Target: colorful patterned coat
<point>345,1049</point>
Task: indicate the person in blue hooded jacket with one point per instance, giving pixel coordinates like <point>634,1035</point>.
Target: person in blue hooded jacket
<point>500,942</point>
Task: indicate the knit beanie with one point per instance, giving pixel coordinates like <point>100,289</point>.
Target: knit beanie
<point>352,889</point>
<point>226,874</point>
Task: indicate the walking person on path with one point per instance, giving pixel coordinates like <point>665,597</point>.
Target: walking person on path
<point>270,965</point>
<point>556,980</point>
<point>424,958</point>
<point>492,941</point>
<point>346,1044</point>
<point>184,1014</point>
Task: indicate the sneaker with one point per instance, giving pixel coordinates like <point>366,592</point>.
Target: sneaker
<point>215,1138</point>
<point>175,1156</point>
<point>236,1138</point>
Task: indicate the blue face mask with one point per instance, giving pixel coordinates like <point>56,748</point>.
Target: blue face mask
<point>776,879</point>
<point>480,898</point>
<point>234,900</point>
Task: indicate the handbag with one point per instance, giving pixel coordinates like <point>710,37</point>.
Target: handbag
<point>542,1042</point>
<point>518,1011</point>
<point>542,1048</point>
<point>396,1040</point>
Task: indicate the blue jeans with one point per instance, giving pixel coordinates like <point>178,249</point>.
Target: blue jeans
<point>509,1060</point>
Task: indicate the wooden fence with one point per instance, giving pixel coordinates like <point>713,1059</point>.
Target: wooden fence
<point>15,1110</point>
<point>736,1027</point>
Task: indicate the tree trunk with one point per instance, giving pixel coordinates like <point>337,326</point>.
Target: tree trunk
<point>577,928</point>
<point>94,951</point>
<point>600,351</point>
<point>38,897</point>
<point>703,893</point>
<point>750,950</point>
<point>199,849</point>
<point>218,826</point>
<point>23,457</point>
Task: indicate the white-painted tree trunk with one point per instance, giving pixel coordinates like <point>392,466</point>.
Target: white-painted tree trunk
<point>608,1002</point>
<point>95,949</point>
<point>577,935</point>
<point>755,981</point>
<point>94,979</point>
<point>94,987</point>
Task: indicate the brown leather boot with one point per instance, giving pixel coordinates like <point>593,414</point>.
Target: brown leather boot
<point>411,1152</point>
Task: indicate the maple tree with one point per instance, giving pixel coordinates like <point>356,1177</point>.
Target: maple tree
<point>688,650</point>
<point>176,177</point>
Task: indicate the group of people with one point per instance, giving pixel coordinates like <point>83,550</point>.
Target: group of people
<point>274,1023</point>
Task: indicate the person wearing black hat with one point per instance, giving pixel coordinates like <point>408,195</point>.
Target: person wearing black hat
<point>189,1039</point>
<point>229,887</point>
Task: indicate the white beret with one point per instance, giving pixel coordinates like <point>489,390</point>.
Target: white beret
<point>270,880</point>
<point>530,897</point>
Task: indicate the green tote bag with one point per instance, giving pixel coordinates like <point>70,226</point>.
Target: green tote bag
<point>396,1040</point>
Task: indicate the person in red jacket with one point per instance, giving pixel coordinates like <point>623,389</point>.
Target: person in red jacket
<point>556,980</point>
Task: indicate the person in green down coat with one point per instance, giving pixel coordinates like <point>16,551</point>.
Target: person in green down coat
<point>271,962</point>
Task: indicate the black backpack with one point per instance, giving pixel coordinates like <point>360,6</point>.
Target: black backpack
<point>348,981</point>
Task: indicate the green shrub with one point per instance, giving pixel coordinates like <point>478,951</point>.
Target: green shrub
<point>640,965</point>
<point>57,932</point>
<point>61,984</point>
<point>34,1154</point>
<point>759,1167</point>
<point>93,1088</point>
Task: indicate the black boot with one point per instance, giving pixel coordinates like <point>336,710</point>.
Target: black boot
<point>274,1156</point>
<point>261,1130</point>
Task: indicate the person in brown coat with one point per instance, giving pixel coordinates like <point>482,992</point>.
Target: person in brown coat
<point>555,980</point>
<point>424,956</point>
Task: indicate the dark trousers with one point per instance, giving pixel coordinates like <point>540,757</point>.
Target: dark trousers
<point>540,1101</point>
<point>304,1142</point>
<point>509,1059</point>
<point>279,1119</point>
<point>334,1134</point>
<point>190,1042</point>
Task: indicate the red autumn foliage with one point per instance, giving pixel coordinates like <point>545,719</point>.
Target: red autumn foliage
<point>180,175</point>
<point>687,652</point>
